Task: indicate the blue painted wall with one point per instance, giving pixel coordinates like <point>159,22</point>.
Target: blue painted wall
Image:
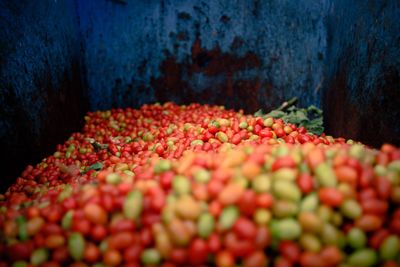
<point>244,54</point>
<point>362,87</point>
<point>42,98</point>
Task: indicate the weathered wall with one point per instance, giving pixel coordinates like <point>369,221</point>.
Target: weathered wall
<point>42,100</point>
<point>362,96</point>
<point>243,54</point>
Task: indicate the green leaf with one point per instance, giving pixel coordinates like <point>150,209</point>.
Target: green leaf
<point>296,117</point>
<point>259,113</point>
<point>311,117</point>
<point>96,166</point>
<point>313,108</point>
<point>315,126</point>
<point>276,114</point>
<point>97,146</point>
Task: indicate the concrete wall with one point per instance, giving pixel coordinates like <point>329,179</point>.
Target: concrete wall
<point>42,100</point>
<point>362,86</point>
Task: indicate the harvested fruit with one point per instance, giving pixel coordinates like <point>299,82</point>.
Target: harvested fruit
<point>170,185</point>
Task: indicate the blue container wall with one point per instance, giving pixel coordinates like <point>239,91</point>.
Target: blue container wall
<point>362,89</point>
<point>243,54</point>
<point>42,98</point>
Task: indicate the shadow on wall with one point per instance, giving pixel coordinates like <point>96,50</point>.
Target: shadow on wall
<point>362,97</point>
<point>42,98</point>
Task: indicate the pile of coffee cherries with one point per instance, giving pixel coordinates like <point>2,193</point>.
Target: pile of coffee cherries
<point>198,185</point>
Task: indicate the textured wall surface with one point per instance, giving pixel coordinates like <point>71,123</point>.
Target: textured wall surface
<point>42,100</point>
<point>243,54</point>
<point>362,96</point>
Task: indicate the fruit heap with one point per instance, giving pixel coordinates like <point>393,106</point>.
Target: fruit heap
<point>198,185</point>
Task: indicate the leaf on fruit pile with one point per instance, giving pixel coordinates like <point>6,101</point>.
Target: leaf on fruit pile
<point>95,166</point>
<point>259,113</point>
<point>310,118</point>
<point>276,114</point>
<point>98,146</point>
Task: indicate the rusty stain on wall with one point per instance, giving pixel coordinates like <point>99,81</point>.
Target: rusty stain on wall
<point>241,93</point>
